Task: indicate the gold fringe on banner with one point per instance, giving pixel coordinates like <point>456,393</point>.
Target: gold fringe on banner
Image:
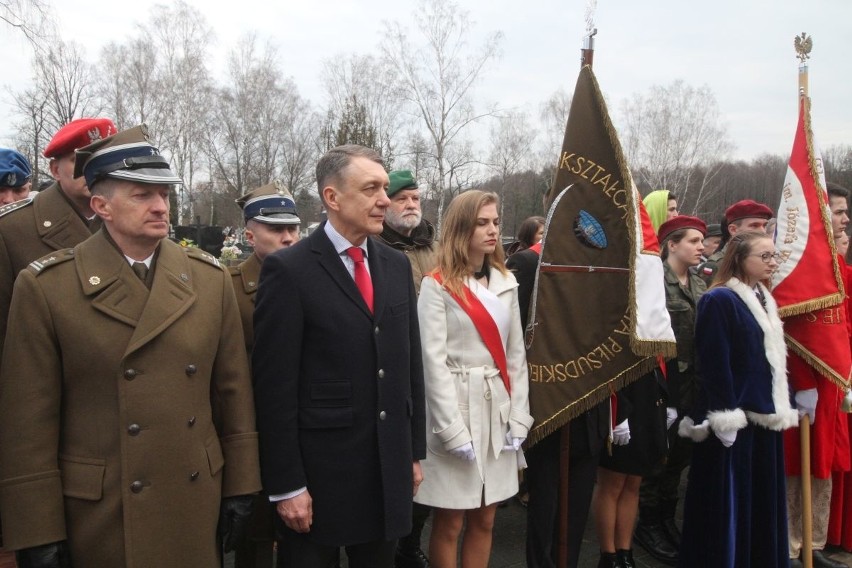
<point>818,364</point>
<point>812,305</point>
<point>590,400</point>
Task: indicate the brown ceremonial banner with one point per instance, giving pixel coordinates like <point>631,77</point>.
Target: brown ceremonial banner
<point>578,344</point>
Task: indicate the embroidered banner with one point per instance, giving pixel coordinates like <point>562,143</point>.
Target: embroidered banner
<point>808,285</point>
<point>598,318</point>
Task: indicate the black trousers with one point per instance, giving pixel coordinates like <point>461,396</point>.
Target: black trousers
<point>543,507</point>
<point>298,551</point>
<point>662,485</point>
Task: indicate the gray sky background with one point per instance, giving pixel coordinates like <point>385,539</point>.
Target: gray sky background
<point>742,49</point>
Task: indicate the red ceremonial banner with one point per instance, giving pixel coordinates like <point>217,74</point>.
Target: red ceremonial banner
<point>808,285</point>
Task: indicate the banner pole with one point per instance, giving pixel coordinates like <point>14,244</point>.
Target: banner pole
<point>807,556</point>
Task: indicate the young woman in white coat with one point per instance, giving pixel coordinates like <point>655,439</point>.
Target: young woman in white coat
<point>477,406</point>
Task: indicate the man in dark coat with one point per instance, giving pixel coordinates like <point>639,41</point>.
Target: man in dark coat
<point>339,378</point>
<point>126,419</point>
<point>587,434</point>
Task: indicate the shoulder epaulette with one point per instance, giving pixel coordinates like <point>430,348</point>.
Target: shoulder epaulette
<point>50,260</point>
<point>199,254</point>
<point>14,206</point>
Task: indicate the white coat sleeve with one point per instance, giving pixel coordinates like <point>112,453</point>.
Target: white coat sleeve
<point>442,403</point>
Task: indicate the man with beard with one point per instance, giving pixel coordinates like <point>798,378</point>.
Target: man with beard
<point>405,228</point>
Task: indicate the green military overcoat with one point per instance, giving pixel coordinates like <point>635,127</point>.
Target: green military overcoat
<point>125,415</point>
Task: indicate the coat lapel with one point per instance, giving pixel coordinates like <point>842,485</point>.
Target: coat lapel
<point>378,274</point>
<point>105,274</point>
<point>171,295</point>
<point>331,263</point>
<point>117,292</point>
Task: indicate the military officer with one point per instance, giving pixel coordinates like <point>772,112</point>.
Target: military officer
<point>271,224</point>
<point>15,173</point>
<point>127,429</point>
<point>745,215</point>
<point>54,219</point>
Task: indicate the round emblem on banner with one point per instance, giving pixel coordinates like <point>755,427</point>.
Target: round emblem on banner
<point>589,230</point>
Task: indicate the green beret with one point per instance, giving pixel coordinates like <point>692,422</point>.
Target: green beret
<point>399,180</point>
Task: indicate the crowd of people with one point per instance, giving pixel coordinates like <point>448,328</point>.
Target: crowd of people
<point>329,394</point>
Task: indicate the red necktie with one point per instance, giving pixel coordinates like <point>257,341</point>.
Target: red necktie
<point>362,277</point>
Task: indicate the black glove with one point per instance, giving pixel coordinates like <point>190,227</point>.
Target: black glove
<point>53,555</point>
<point>234,516</point>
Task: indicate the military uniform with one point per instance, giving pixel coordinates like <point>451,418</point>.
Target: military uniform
<point>32,228</point>
<point>707,269</point>
<point>136,476</point>
<point>271,204</point>
<point>244,279</point>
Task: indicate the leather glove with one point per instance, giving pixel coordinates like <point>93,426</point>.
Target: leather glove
<point>234,516</point>
<point>727,438</point>
<point>806,401</point>
<point>464,452</point>
<point>512,444</point>
<point>621,434</point>
<point>53,555</point>
<point>671,416</point>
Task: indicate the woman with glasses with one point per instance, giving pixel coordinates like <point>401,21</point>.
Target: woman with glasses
<point>735,505</point>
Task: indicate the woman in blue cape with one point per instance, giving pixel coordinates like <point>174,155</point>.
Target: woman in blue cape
<point>735,508</point>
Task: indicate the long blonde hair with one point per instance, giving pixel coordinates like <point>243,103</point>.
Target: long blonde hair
<point>456,232</point>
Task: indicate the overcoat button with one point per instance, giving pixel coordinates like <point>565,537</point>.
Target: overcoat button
<point>134,429</point>
<point>192,421</point>
<point>383,415</point>
<point>381,373</point>
<point>193,476</point>
<point>130,374</point>
<point>191,370</point>
<point>136,486</point>
<point>376,330</point>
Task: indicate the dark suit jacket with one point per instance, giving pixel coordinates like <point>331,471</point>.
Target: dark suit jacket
<point>339,391</point>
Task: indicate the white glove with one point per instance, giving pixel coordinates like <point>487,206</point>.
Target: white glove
<point>806,401</point>
<point>671,416</point>
<point>727,438</point>
<point>621,434</point>
<point>512,444</point>
<point>846,403</point>
<point>464,452</point>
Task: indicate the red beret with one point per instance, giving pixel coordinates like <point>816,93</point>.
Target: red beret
<point>681,222</point>
<point>78,133</point>
<point>747,208</point>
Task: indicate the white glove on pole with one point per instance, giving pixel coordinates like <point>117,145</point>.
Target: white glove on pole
<point>512,444</point>
<point>464,452</point>
<point>727,438</point>
<point>621,434</point>
<point>671,416</point>
<point>806,401</point>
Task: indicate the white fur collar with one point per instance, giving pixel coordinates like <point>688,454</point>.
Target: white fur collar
<point>776,353</point>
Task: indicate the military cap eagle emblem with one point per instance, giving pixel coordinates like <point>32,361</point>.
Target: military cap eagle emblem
<point>803,44</point>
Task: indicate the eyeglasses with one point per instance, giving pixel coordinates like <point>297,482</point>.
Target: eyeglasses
<point>767,256</point>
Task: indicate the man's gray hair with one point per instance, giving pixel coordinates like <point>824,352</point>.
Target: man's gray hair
<point>335,160</point>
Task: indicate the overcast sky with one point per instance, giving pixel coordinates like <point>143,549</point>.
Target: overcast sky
<point>742,49</point>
